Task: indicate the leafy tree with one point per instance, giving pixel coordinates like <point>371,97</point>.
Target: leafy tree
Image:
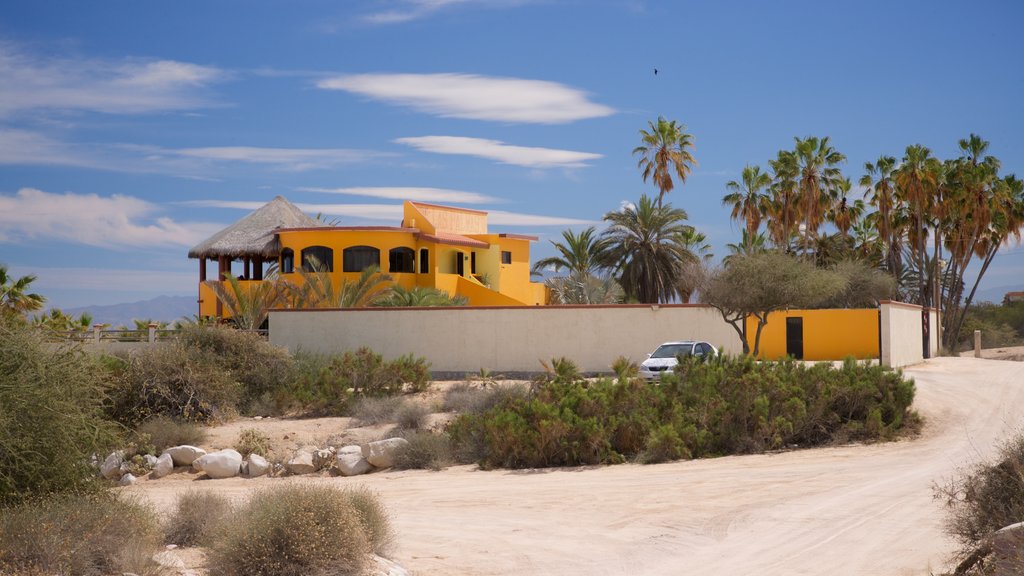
<point>15,297</point>
<point>758,284</point>
<point>644,246</point>
<point>665,150</point>
<point>866,286</point>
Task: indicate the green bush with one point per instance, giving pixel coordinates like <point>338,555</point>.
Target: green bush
<point>174,380</point>
<point>425,451</point>
<point>252,441</point>
<point>258,366</point>
<point>724,406</point>
<point>326,384</point>
<point>79,535</point>
<point>197,517</point>
<point>162,432</point>
<point>465,397</point>
<point>299,530</point>
<point>51,416</point>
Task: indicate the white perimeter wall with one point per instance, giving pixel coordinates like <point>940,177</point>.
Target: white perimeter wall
<point>466,339</point>
<point>901,334</point>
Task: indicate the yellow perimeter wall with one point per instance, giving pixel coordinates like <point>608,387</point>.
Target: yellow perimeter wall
<point>828,334</point>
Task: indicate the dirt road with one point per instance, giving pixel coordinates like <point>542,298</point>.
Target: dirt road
<point>855,510</point>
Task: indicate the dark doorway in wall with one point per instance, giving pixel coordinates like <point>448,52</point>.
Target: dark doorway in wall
<point>795,337</point>
<point>460,264</point>
<point>424,261</point>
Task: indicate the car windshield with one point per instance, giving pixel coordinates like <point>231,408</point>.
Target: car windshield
<point>672,350</point>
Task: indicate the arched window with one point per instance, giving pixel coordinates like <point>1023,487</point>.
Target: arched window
<point>287,261</point>
<point>401,260</point>
<point>358,258</point>
<point>318,259</point>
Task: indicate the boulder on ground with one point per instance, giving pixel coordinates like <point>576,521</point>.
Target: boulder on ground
<point>301,463</point>
<point>382,452</point>
<point>184,455</point>
<point>149,460</point>
<point>255,466</point>
<point>350,461</point>
<point>219,464</point>
<point>111,467</point>
<point>385,567</point>
<point>126,480</point>
<point>164,465</point>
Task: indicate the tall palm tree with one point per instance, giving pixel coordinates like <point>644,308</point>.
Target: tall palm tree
<point>878,180</point>
<point>844,213</point>
<point>15,297</point>
<point>782,208</point>
<point>748,245</point>
<point>695,243</point>
<point>645,249</point>
<point>916,180</point>
<point>582,254</point>
<point>818,174</point>
<point>748,198</point>
<point>665,149</point>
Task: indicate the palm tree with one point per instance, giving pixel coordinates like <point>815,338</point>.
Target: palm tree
<point>916,180</point>
<point>749,245</point>
<point>575,289</point>
<point>15,298</point>
<point>318,291</point>
<point>844,214</point>
<point>748,198</point>
<point>817,176</point>
<point>581,254</point>
<point>696,243</point>
<point>249,303</point>
<point>665,149</point>
<point>645,249</point>
<point>398,296</point>
<point>782,206</point>
<point>878,180</point>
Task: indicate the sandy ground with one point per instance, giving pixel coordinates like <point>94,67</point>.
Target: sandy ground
<point>844,510</point>
<point>1004,353</point>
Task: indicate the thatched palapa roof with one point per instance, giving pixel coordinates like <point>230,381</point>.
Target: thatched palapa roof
<point>254,235</point>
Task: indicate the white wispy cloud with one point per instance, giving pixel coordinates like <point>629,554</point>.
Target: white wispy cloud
<point>408,10</point>
<point>157,281</point>
<point>497,150</point>
<point>119,222</point>
<point>392,213</point>
<point>24,147</point>
<point>126,86</point>
<point>474,97</point>
<point>416,194</point>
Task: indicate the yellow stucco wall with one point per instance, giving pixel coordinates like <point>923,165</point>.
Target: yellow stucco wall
<point>827,334</point>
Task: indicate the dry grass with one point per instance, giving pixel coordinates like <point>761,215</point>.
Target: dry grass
<point>163,432</point>
<point>467,398</point>
<point>426,451</point>
<point>252,441</point>
<point>301,530</point>
<point>411,415</point>
<point>370,411</point>
<point>79,536</point>
<point>196,518</point>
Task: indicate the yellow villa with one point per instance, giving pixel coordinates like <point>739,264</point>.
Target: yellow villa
<point>441,247</point>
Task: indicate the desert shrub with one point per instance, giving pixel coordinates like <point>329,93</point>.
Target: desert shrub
<point>374,517</point>
<point>995,333</point>
<point>174,380</point>
<point>425,451</point>
<point>723,406</point>
<point>412,415</point>
<point>79,535</point>
<point>297,530</point>
<point>467,398</point>
<point>985,497</point>
<point>162,432</point>
<point>326,384</point>
<point>625,368</point>
<point>196,518</point>
<point>258,366</point>
<point>51,416</point>
<point>373,411</point>
<point>252,441</point>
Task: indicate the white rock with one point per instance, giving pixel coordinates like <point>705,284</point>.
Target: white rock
<point>184,455</point>
<point>301,463</point>
<point>111,467</point>
<point>169,559</point>
<point>382,452</point>
<point>126,480</point>
<point>352,463</point>
<point>385,567</point>
<point>219,464</point>
<point>255,466</point>
<point>150,460</point>
<point>164,465</point>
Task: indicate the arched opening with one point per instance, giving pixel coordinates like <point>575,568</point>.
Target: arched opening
<point>318,259</point>
<point>358,258</point>
<point>402,260</point>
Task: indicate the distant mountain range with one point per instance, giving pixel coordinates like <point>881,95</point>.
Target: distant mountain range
<point>995,295</point>
<point>162,308</point>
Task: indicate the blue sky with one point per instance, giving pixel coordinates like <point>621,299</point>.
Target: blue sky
<point>129,131</point>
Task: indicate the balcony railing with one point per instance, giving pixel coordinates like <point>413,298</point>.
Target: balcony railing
<point>100,334</point>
